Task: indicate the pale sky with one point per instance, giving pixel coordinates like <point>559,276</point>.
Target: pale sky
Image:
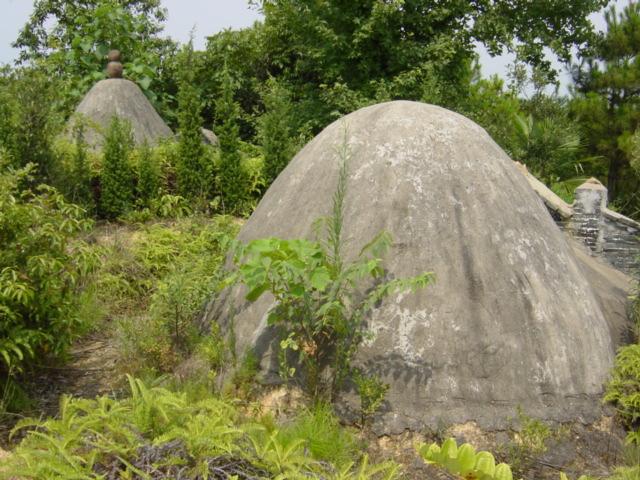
<point>208,17</point>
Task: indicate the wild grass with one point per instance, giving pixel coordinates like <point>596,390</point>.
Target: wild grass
<point>154,280</point>
<point>326,439</point>
<point>156,430</point>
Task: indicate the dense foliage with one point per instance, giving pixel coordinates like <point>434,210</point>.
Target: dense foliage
<point>157,433</point>
<point>71,40</point>
<point>29,121</point>
<point>275,131</point>
<point>607,104</point>
<point>231,178</point>
<point>148,175</point>
<point>42,267</point>
<point>193,173</point>
<point>116,192</point>
<point>624,387</point>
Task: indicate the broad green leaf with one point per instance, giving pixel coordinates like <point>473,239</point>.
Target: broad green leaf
<point>257,292</point>
<point>503,472</point>
<point>320,279</point>
<point>144,83</point>
<point>449,448</point>
<point>466,458</point>
<point>485,463</point>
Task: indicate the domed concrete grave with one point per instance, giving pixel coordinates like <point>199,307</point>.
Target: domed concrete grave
<point>511,320</point>
<point>119,97</point>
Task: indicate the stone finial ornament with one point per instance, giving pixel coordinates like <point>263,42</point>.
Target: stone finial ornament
<point>114,67</point>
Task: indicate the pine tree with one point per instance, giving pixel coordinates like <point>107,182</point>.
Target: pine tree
<point>33,122</point>
<point>274,129</point>
<point>148,176</point>
<point>191,170</point>
<point>608,103</point>
<point>81,178</point>
<point>116,183</point>
<point>232,182</point>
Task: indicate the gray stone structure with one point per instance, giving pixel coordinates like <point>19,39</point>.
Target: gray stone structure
<point>513,318</point>
<point>608,234</point>
<point>122,98</point>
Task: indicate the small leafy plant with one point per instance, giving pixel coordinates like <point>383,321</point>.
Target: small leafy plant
<point>529,442</point>
<point>624,388</point>
<point>320,306</point>
<point>372,391</point>
<point>464,462</point>
<point>43,266</point>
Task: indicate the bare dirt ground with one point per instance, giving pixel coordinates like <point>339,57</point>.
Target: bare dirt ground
<point>90,371</point>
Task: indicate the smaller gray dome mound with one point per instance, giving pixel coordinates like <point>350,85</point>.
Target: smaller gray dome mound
<point>122,98</point>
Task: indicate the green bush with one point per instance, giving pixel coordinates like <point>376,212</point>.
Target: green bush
<point>192,170</point>
<point>80,174</point>
<point>163,277</point>
<point>31,122</point>
<point>42,269</point>
<point>530,441</point>
<point>148,182</point>
<point>161,433</point>
<point>116,180</point>
<point>624,388</point>
<point>231,179</point>
<point>275,131</point>
<point>171,206</point>
<point>372,391</point>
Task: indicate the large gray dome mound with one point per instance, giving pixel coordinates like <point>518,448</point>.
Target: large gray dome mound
<point>122,98</point>
<point>511,320</point>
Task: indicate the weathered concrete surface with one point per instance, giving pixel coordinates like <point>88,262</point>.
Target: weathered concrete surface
<point>557,206</point>
<point>512,320</point>
<point>612,289</point>
<point>122,98</point>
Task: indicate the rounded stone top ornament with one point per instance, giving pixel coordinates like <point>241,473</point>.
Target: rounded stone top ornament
<point>114,67</point>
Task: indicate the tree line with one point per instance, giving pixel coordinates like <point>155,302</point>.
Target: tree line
<point>269,88</point>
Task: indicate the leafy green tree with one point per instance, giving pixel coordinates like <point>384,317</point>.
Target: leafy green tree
<point>244,54</point>
<point>31,122</point>
<point>493,107</point>
<point>41,266</point>
<point>231,178</point>
<point>549,147</point>
<point>56,24</point>
<point>607,103</point>
<point>148,176</point>
<point>371,49</point>
<point>116,180</point>
<point>275,131</point>
<point>192,171</point>
<point>70,40</point>
<point>80,174</point>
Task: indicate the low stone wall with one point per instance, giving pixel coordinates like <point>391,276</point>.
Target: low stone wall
<point>608,234</point>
